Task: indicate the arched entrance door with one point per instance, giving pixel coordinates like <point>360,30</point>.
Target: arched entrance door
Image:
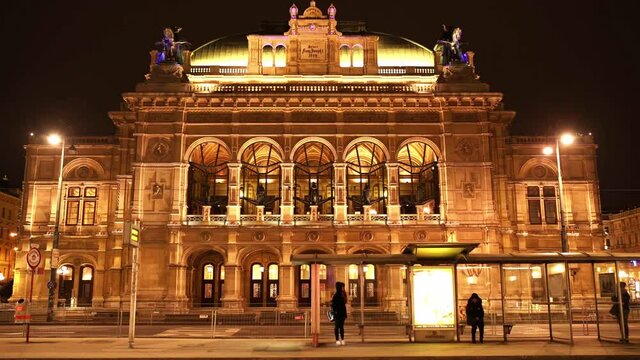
<point>65,284</point>
<point>304,285</point>
<point>264,285</point>
<point>369,282</point>
<point>85,287</point>
<point>207,276</point>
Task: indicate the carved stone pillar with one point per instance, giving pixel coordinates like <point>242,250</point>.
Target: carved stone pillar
<point>366,209</point>
<point>340,205</point>
<point>286,203</point>
<point>206,212</point>
<point>177,280</point>
<point>393,198</point>
<point>395,298</point>
<point>313,212</point>
<point>259,212</point>
<point>232,296</point>
<point>233,207</point>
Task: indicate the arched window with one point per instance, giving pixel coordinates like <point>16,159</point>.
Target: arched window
<point>369,283</point>
<point>418,179</point>
<point>208,178</point>
<point>65,284</point>
<point>208,285</point>
<point>313,178</point>
<point>272,284</point>
<point>345,56</point>
<point>267,56</point>
<point>357,56</point>
<point>85,286</point>
<point>281,56</point>
<point>260,178</point>
<point>366,177</point>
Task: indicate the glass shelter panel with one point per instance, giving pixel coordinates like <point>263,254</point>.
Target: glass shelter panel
<point>526,307</point>
<point>484,280</point>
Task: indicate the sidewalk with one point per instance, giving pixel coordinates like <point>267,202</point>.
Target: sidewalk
<point>154,348</point>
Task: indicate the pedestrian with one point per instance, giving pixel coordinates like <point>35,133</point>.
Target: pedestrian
<point>339,307</point>
<point>615,311</point>
<point>475,317</point>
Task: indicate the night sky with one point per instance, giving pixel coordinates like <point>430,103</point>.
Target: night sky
<point>560,64</point>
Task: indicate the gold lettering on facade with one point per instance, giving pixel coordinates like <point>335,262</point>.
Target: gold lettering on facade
<point>313,51</point>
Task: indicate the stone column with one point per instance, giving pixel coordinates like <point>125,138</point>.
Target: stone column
<point>393,195</point>
<point>232,298</point>
<point>340,205</point>
<point>286,297</point>
<point>177,280</point>
<point>286,189</point>
<point>234,205</point>
<point>394,299</point>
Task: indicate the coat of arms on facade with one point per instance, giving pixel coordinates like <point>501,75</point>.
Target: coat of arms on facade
<point>313,236</point>
<point>259,236</point>
<point>159,149</point>
<point>366,236</point>
<point>465,148</point>
<point>420,236</point>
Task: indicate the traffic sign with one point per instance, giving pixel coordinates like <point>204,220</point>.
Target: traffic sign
<point>132,233</point>
<point>33,258</point>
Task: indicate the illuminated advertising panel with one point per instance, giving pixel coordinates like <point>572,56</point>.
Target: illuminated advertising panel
<point>433,297</point>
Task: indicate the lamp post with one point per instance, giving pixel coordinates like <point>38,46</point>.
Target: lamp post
<point>55,139</point>
<point>565,139</point>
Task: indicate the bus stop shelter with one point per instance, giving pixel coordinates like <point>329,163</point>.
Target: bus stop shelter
<point>548,292</point>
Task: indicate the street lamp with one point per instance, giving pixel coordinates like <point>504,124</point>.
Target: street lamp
<point>55,140</point>
<point>566,139</point>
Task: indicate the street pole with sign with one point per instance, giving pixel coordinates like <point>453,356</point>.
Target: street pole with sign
<point>132,238</point>
<point>33,260</point>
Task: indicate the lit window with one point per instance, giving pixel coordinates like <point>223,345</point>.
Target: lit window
<point>353,272</point>
<point>369,272</point>
<point>345,56</point>
<point>87,273</point>
<point>358,56</point>
<point>267,56</point>
<point>273,272</point>
<point>323,272</point>
<point>256,272</point>
<point>305,272</point>
<point>281,56</point>
<point>74,192</point>
<point>221,272</point>
<point>90,192</point>
<point>207,274</point>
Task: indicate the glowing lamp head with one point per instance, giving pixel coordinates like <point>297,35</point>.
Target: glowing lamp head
<point>567,139</point>
<point>13,234</point>
<point>548,150</point>
<point>373,212</point>
<point>1,276</point>
<point>426,210</point>
<point>54,139</point>
<point>15,248</point>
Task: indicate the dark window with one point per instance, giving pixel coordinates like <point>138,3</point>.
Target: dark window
<point>550,213</point>
<point>533,191</point>
<point>73,209</point>
<point>535,216</point>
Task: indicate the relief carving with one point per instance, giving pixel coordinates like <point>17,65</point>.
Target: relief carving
<point>159,149</point>
<point>466,148</point>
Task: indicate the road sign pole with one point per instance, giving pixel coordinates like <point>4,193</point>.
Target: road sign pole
<point>134,290</point>
<point>29,304</point>
<point>33,260</point>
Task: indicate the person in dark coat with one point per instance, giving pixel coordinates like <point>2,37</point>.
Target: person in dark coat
<point>339,307</point>
<point>615,311</point>
<point>475,316</point>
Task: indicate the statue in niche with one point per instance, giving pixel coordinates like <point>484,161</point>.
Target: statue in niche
<point>313,197</point>
<point>262,199</point>
<point>365,197</point>
<point>450,46</point>
<point>171,47</point>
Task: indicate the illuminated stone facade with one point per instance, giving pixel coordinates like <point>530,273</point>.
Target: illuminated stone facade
<point>623,231</point>
<point>9,212</point>
<point>320,138</point>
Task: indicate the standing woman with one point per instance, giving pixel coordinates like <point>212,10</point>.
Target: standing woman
<point>475,316</point>
<point>339,307</point>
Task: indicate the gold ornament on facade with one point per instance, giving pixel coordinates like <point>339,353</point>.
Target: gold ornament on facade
<point>313,236</point>
<point>258,236</point>
<point>366,236</point>
<point>420,236</point>
<point>159,149</point>
<point>205,236</point>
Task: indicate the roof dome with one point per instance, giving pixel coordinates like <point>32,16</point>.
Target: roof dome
<point>234,51</point>
<point>398,51</point>
<point>230,50</point>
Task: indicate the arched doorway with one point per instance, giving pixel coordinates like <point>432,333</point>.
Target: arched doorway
<point>366,177</point>
<point>85,286</point>
<point>260,178</point>
<point>66,273</point>
<point>418,178</point>
<point>370,284</point>
<point>304,284</point>
<point>313,178</point>
<point>264,284</point>
<point>208,178</point>
<point>207,278</point>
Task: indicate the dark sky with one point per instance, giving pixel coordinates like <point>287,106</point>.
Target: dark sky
<point>560,64</point>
